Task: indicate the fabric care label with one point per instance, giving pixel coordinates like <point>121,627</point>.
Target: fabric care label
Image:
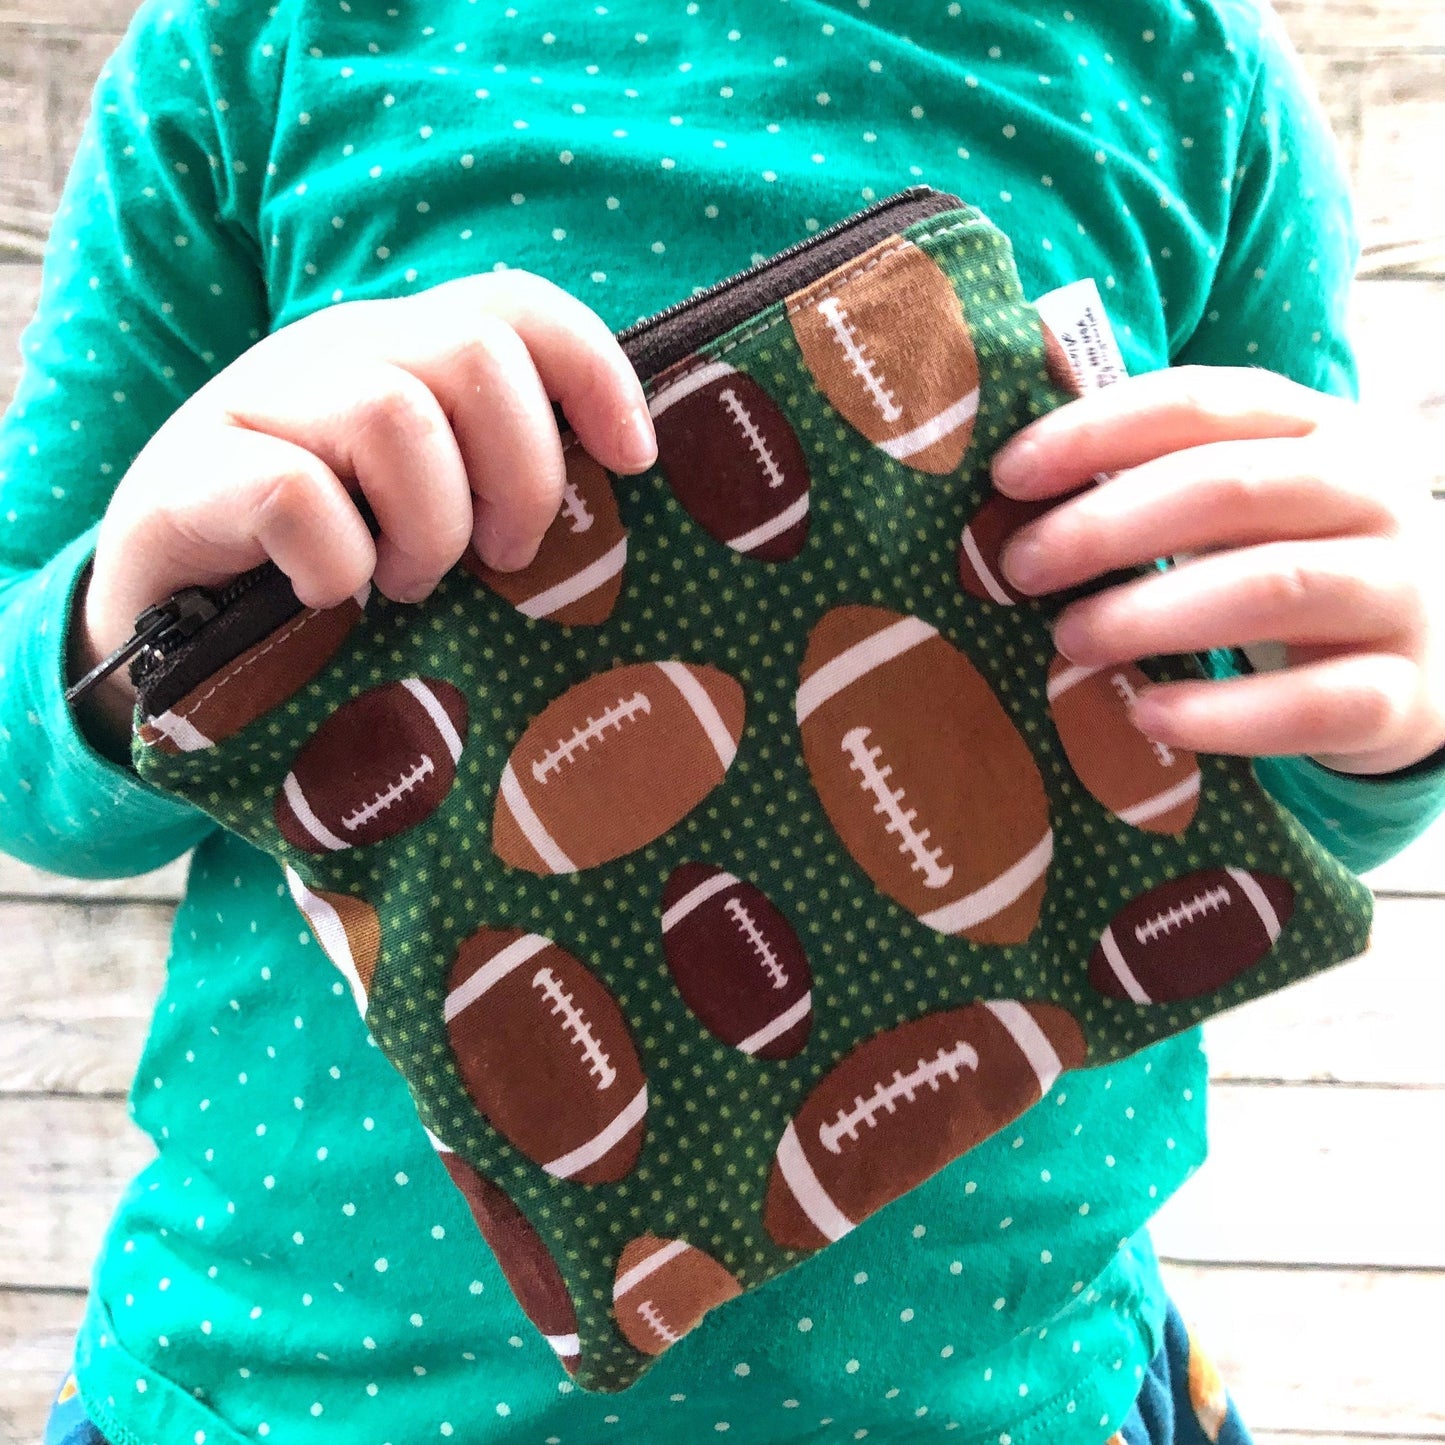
<point>1075,314</point>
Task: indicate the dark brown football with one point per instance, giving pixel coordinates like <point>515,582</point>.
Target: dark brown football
<point>905,1103</point>
<point>380,764</point>
<point>737,962</point>
<point>261,678</point>
<point>732,459</point>
<point>1191,936</point>
<point>980,548</point>
<point>579,1106</point>
<point>524,1260</point>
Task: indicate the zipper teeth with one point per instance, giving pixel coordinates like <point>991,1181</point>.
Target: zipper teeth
<point>913,193</point>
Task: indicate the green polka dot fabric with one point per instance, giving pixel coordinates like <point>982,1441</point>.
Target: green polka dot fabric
<point>752,856</point>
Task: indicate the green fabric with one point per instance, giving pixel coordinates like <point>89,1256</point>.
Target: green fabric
<point>130,322</point>
<point>882,535</point>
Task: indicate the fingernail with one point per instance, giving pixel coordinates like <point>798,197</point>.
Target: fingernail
<point>1014,466</point>
<point>511,554</point>
<point>1022,562</point>
<point>638,441</point>
<point>1066,637</point>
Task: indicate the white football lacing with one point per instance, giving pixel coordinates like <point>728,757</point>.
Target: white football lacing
<point>753,437</point>
<point>864,367</point>
<point>748,927</point>
<point>384,799</point>
<point>947,1062</point>
<point>1183,914</point>
<point>1125,689</point>
<point>625,710</point>
<point>653,1317</point>
<point>574,508</point>
<point>912,842</point>
<point>575,1022</point>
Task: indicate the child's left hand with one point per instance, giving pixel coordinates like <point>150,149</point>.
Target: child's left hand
<point>1310,536</point>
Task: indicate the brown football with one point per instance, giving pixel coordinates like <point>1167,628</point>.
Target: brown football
<point>737,962</point>
<point>984,538</point>
<point>1190,936</point>
<point>346,927</point>
<point>886,340</point>
<point>614,763</point>
<point>732,459</point>
<point>380,764</point>
<point>524,1260</point>
<point>576,576</point>
<point>905,1103</point>
<point>261,678</point>
<point>923,774</point>
<point>578,1106</point>
<point>1143,783</point>
<point>663,1289</point>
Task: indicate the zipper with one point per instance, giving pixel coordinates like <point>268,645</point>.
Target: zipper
<point>677,331</point>
<point>181,641</point>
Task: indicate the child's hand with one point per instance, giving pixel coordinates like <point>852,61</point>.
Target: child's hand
<point>435,406</point>
<point>1312,539</point>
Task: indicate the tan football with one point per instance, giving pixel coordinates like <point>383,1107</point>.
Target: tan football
<point>887,343</point>
<point>348,930</point>
<point>614,763</point>
<point>663,1289</point>
<point>579,1106</point>
<point>923,774</point>
<point>576,576</point>
<point>1143,783</point>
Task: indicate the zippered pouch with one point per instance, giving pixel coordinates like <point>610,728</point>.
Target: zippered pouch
<point>751,856</point>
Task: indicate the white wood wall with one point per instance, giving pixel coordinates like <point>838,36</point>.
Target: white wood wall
<point>1309,1254</point>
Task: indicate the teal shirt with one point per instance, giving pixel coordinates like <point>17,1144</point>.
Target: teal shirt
<point>294,1264</point>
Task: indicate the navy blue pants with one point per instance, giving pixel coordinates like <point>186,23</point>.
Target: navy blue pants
<point>1182,1402</point>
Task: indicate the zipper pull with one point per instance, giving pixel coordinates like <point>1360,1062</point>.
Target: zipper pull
<point>161,624</point>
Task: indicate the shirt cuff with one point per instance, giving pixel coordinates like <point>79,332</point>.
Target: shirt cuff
<point>1363,820</point>
<point>78,812</point>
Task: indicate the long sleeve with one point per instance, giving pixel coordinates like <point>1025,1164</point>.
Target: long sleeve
<point>151,285</point>
<point>1280,300</point>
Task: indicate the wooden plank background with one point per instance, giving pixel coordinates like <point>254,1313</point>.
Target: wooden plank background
<point>1309,1252</point>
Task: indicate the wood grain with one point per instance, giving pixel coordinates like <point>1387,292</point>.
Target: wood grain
<point>1368,27</point>
<point>19,880</point>
<point>76,993</point>
<point>1314,1176</point>
<point>37,1340</point>
<point>1331,1351</point>
<point>1369,1022</point>
<point>63,1165</point>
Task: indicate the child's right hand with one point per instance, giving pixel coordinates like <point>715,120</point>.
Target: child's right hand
<point>435,407</point>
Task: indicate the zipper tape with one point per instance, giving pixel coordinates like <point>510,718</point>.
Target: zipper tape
<point>171,661</point>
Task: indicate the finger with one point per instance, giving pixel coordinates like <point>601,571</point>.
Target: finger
<point>1349,710</point>
<point>1221,494</point>
<point>265,498</point>
<point>578,358</point>
<point>1149,416</point>
<point>508,436</point>
<point>381,426</point>
<point>1350,590</point>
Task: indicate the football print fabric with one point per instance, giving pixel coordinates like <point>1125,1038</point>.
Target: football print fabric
<point>751,856</point>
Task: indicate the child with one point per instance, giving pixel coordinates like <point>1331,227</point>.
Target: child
<point>376,192</point>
